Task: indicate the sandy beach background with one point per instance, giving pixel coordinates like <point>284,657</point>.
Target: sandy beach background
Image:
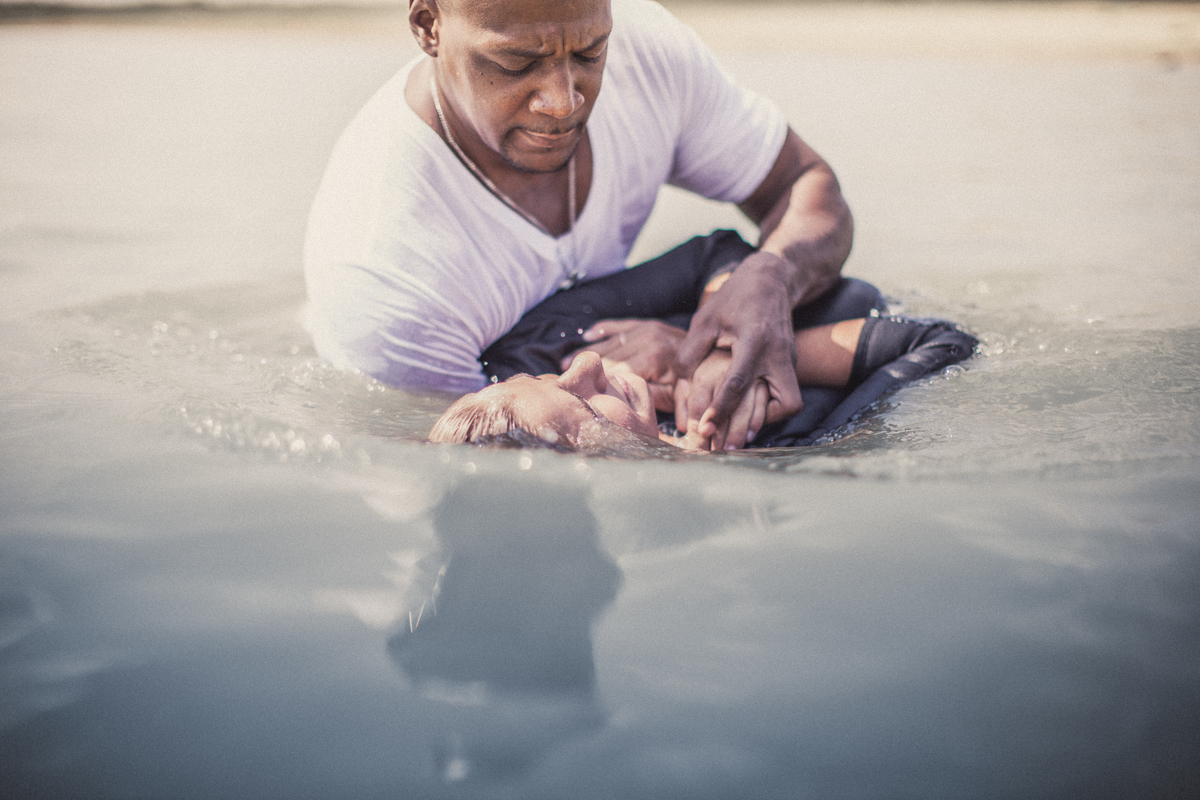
<point>1040,30</point>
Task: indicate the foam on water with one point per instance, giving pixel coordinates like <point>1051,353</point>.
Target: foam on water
<point>233,367</point>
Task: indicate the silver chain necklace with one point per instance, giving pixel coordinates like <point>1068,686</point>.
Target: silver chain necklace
<point>492,187</point>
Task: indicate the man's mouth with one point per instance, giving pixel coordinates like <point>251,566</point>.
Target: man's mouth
<point>549,138</point>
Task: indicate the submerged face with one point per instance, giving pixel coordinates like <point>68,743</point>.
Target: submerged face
<point>522,75</point>
<point>571,404</point>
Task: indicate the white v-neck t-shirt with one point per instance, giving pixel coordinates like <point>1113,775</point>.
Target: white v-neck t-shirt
<point>413,267</point>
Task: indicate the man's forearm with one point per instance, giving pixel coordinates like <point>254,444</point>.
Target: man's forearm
<point>806,234</point>
<point>810,230</point>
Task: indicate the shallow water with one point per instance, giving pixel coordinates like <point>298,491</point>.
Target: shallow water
<point>228,571</point>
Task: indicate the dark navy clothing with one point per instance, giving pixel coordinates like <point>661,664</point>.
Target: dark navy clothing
<point>891,351</point>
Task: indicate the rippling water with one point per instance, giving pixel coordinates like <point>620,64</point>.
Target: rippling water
<point>228,571</point>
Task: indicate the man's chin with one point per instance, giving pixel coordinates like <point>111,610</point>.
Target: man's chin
<point>536,165</point>
<point>539,163</point>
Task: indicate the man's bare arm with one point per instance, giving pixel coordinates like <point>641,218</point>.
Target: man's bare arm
<point>806,233</point>
<point>803,219</point>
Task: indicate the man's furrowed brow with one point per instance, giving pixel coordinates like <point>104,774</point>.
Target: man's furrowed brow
<point>527,52</point>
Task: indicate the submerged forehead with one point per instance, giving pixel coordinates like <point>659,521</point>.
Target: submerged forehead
<point>542,407</point>
<point>513,17</point>
<point>538,396</point>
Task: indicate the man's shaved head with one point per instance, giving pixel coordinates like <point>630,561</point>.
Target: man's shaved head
<point>501,9</point>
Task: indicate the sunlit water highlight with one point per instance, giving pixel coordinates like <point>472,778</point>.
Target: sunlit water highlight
<point>229,571</point>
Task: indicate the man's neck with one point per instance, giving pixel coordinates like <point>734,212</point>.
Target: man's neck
<point>541,195</point>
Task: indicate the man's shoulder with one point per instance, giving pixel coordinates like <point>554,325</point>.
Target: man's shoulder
<point>651,51</point>
<point>386,146</point>
<point>646,26</point>
<point>385,119</point>
<point>641,16</point>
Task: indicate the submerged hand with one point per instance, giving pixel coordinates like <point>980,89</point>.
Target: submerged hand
<point>751,317</point>
<point>646,346</point>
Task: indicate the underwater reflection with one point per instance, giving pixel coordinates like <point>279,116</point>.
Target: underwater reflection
<point>504,644</point>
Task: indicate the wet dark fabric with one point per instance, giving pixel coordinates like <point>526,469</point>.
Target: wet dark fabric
<point>668,288</point>
<point>891,352</point>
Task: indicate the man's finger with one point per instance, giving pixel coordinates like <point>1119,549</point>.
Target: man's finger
<point>696,345</point>
<point>607,328</point>
<point>742,422</point>
<point>785,394</point>
<point>759,418</point>
<point>612,349</point>
<point>727,396</point>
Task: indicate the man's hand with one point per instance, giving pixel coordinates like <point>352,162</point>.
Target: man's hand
<point>744,424</point>
<point>750,316</point>
<point>646,346</point>
<point>805,233</point>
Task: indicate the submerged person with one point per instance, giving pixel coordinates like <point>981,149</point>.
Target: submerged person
<point>849,355</point>
<point>493,171</point>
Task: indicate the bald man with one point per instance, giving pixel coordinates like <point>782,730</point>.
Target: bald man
<point>522,153</point>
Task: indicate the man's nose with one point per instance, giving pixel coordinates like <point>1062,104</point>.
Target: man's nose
<point>557,97</point>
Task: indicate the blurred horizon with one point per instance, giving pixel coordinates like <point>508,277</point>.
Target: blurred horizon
<point>34,8</point>
<point>1163,31</point>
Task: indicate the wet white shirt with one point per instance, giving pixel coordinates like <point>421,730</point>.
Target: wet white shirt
<point>413,267</point>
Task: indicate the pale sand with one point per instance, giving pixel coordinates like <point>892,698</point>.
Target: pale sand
<point>1168,32</point>
<point>1021,30</point>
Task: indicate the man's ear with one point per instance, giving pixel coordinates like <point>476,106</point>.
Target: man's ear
<point>423,19</point>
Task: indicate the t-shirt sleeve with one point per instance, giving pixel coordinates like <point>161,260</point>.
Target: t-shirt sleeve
<point>378,300</point>
<point>728,137</point>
